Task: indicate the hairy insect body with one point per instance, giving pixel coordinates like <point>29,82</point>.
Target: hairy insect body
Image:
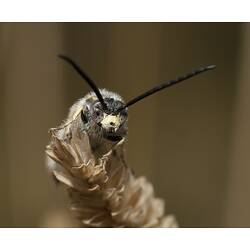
<point>104,127</point>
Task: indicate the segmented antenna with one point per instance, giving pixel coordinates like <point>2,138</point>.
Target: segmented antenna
<point>168,84</point>
<point>86,78</point>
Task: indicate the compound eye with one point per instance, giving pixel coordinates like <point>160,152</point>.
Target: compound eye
<point>84,117</point>
<point>124,113</point>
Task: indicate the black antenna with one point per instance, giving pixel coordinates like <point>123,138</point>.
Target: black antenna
<point>168,84</point>
<point>86,78</point>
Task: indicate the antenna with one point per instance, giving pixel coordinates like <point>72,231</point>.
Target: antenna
<point>168,84</point>
<point>90,82</point>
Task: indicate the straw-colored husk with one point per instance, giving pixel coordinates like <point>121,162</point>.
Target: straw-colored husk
<point>103,191</point>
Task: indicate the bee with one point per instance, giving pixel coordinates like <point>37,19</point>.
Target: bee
<point>103,114</point>
<point>86,154</point>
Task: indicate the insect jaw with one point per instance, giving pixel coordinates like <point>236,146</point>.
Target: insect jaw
<point>113,138</point>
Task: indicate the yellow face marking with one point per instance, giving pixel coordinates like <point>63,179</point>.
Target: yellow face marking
<point>111,121</point>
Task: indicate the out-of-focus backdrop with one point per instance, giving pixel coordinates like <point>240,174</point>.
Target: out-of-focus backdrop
<point>192,140</point>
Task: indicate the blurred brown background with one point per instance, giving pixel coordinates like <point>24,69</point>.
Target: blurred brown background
<point>191,141</point>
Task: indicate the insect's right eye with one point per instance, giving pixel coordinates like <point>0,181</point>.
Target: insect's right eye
<point>84,117</point>
<point>124,113</point>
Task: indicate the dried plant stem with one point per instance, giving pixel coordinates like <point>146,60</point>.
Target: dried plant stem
<point>103,191</point>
